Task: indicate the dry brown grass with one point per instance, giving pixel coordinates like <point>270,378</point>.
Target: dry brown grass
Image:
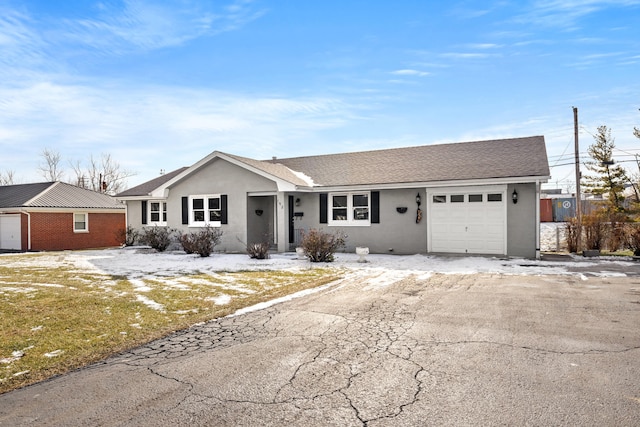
<point>57,319</point>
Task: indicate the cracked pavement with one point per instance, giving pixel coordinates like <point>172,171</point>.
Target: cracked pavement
<point>444,350</point>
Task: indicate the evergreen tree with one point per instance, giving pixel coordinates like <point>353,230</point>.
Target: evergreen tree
<point>608,178</point>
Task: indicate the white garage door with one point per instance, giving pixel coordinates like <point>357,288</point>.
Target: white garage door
<point>467,220</point>
<point>10,232</point>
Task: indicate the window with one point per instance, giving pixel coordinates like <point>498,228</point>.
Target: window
<point>80,223</point>
<point>497,197</point>
<point>439,199</point>
<point>475,198</point>
<point>158,213</point>
<point>350,208</point>
<point>457,198</point>
<point>205,210</point>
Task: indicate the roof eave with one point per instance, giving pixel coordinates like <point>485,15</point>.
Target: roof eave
<point>429,184</point>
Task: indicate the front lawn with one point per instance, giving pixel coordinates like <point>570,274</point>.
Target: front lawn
<point>57,315</point>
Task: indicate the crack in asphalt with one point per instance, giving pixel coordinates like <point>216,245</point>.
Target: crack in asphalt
<point>535,349</point>
<point>357,344</point>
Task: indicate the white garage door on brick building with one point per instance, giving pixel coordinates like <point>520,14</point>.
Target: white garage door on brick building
<point>10,235</point>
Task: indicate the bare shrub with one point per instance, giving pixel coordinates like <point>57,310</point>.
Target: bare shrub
<point>201,242</point>
<point>320,246</point>
<point>128,236</point>
<point>593,227</point>
<point>159,238</point>
<point>258,250</point>
<point>571,232</point>
<point>632,237</point>
<point>616,233</point>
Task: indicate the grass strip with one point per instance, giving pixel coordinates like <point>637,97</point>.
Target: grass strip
<point>54,320</point>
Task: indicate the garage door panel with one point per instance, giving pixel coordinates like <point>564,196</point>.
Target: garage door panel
<point>10,233</point>
<point>468,227</point>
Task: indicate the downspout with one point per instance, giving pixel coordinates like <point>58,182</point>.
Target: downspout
<point>538,255</point>
<point>28,228</point>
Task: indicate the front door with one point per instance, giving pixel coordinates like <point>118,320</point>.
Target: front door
<point>261,220</point>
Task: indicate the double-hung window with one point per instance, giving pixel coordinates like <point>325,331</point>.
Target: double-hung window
<point>158,213</point>
<point>349,208</point>
<point>81,222</point>
<point>205,210</point>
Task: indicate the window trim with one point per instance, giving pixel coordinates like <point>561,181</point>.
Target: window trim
<point>350,221</point>
<point>205,201</point>
<point>162,213</point>
<point>86,222</point>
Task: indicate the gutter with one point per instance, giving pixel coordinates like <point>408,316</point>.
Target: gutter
<point>28,228</point>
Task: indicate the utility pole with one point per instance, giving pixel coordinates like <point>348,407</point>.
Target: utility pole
<point>578,176</point>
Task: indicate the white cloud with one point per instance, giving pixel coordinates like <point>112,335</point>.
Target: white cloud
<point>409,72</point>
<point>565,13</point>
<point>152,126</point>
<point>146,25</point>
<point>466,55</point>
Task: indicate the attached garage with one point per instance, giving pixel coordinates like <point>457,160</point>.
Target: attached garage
<point>10,236</point>
<point>469,220</point>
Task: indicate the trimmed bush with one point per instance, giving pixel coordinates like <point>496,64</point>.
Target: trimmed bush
<point>201,242</point>
<point>159,238</point>
<point>320,246</point>
<point>258,250</point>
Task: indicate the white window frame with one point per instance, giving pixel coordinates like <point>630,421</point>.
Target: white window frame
<point>350,219</point>
<point>162,213</point>
<point>207,211</point>
<point>86,222</point>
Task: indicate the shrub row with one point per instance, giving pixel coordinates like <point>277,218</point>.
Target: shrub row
<point>603,230</point>
<point>317,245</point>
<point>200,242</point>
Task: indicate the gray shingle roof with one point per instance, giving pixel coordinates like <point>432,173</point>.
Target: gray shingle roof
<point>54,195</point>
<point>504,158</point>
<point>147,187</point>
<point>12,196</point>
<point>478,160</point>
<point>277,170</point>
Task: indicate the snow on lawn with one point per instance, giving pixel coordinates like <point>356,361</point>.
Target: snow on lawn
<point>379,268</point>
<point>137,264</point>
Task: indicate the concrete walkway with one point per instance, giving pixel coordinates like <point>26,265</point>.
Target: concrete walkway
<point>444,350</point>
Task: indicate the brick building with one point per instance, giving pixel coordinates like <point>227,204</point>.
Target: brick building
<point>52,216</point>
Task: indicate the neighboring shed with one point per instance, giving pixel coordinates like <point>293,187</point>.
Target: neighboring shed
<point>58,216</point>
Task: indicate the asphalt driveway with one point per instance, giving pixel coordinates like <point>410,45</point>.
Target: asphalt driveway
<point>451,349</point>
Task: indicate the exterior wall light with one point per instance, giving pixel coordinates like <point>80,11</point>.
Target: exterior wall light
<point>514,196</point>
<point>298,201</point>
<point>418,200</point>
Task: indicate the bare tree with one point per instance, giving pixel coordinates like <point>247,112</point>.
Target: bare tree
<point>104,174</point>
<point>7,178</point>
<point>50,168</point>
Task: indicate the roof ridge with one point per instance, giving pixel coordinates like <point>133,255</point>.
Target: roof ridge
<point>380,150</point>
<point>40,194</point>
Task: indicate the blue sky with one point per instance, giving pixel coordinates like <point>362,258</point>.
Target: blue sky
<point>159,84</point>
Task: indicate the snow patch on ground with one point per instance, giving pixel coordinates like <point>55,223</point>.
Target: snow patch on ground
<point>149,302</point>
